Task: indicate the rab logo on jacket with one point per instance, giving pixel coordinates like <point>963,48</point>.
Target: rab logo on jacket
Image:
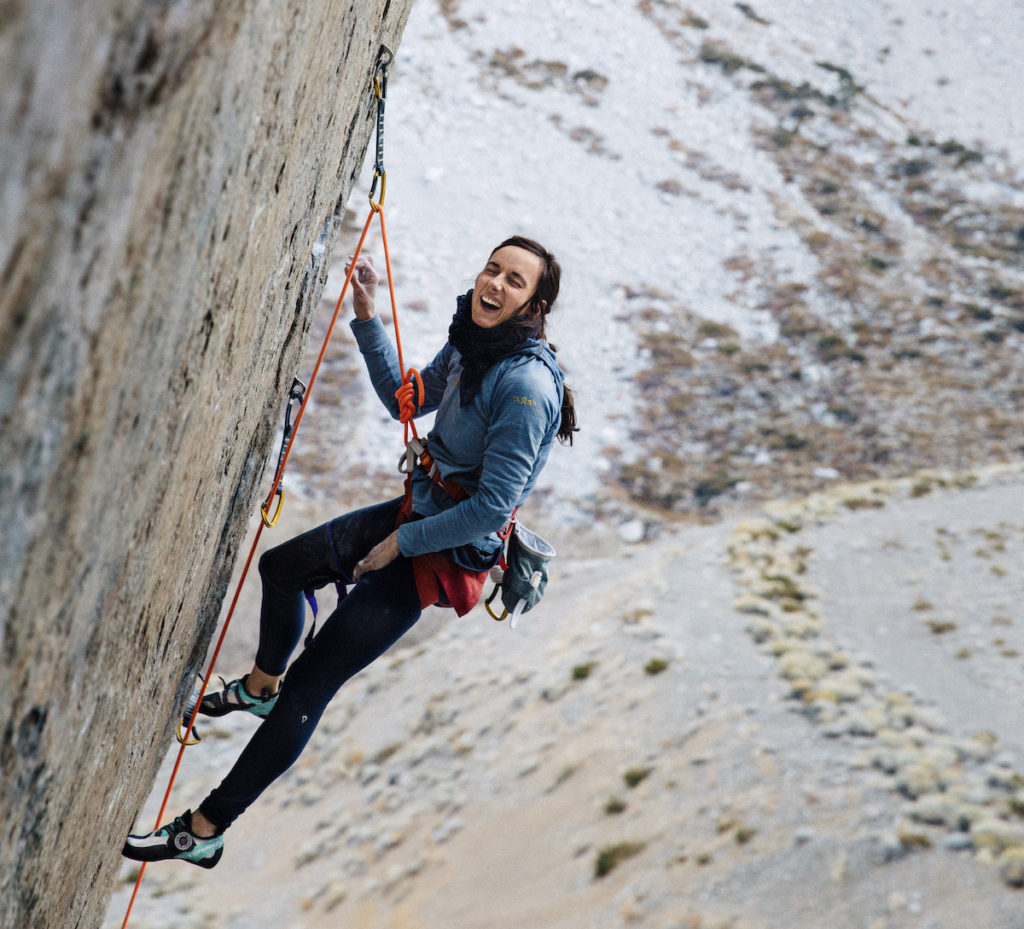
<point>525,401</point>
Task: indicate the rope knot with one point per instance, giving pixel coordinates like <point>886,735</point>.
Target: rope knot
<point>410,395</point>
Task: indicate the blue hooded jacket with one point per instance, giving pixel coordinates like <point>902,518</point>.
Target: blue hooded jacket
<point>495,446</point>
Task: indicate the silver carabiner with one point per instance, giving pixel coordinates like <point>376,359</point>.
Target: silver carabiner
<point>413,449</point>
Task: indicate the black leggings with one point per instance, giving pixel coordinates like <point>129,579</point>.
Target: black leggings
<point>374,614</point>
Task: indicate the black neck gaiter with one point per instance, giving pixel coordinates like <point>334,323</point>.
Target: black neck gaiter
<point>480,348</point>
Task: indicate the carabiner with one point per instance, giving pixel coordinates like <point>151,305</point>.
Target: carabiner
<point>382,176</point>
<point>414,448</point>
<point>269,521</point>
<point>487,604</point>
<point>380,76</point>
<point>182,737</point>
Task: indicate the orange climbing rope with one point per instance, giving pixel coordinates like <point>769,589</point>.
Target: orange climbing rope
<point>411,391</point>
<point>410,382</point>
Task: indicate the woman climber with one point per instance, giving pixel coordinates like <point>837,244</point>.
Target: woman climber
<point>500,404</point>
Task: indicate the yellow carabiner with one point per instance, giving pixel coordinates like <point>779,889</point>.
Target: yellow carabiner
<point>380,86</point>
<point>267,520</point>
<point>487,605</point>
<point>180,736</point>
<point>382,176</point>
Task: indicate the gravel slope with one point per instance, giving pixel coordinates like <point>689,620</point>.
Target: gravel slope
<point>474,776</point>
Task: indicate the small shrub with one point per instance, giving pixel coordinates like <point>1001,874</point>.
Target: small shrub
<point>709,329</point>
<point>831,348</point>
<point>385,753</point>
<point>717,53</point>
<point>613,855</point>
<point>582,671</point>
<point>635,776</point>
<point>656,666</point>
<point>614,806</point>
<point>782,137</point>
<point>913,167</point>
<point>982,313</point>
<point>863,503</point>
<point>911,840</point>
<point>713,486</point>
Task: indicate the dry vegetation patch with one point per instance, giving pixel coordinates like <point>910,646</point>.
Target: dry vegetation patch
<point>902,349</point>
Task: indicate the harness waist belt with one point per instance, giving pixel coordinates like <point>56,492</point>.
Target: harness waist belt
<point>450,486</point>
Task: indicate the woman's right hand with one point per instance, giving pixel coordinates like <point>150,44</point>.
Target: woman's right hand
<point>364,286</point>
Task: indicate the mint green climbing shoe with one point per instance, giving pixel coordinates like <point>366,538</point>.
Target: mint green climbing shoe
<point>233,697</point>
<point>175,840</point>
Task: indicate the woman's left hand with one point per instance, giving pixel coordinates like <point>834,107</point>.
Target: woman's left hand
<point>364,286</point>
<point>379,556</point>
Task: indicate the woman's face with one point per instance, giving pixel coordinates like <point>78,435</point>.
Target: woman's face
<point>505,286</point>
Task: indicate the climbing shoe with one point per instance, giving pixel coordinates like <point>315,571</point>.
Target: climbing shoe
<point>175,840</point>
<point>234,697</point>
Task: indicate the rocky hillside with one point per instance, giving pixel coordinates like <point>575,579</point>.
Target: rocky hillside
<point>171,179</point>
<point>791,236</point>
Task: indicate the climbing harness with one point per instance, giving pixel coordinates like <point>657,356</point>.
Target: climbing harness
<point>298,399</point>
<point>416,450</point>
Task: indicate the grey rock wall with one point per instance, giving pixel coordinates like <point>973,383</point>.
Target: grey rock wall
<point>166,170</point>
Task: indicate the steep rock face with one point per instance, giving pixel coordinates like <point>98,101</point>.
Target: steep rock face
<point>170,179</point>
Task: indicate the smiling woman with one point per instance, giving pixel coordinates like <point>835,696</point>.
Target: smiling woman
<point>504,287</point>
<point>500,402</point>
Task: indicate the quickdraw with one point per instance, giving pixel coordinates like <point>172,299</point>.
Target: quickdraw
<point>295,396</point>
<point>380,88</point>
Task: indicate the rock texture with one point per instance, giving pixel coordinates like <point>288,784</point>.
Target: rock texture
<point>170,180</point>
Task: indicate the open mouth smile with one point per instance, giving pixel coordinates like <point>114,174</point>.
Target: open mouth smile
<point>489,304</point>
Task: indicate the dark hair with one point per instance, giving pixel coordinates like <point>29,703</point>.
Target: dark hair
<point>535,315</point>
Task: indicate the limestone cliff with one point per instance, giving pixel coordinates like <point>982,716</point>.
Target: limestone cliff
<point>171,174</point>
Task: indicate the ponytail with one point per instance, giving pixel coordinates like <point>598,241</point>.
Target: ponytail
<point>568,424</point>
